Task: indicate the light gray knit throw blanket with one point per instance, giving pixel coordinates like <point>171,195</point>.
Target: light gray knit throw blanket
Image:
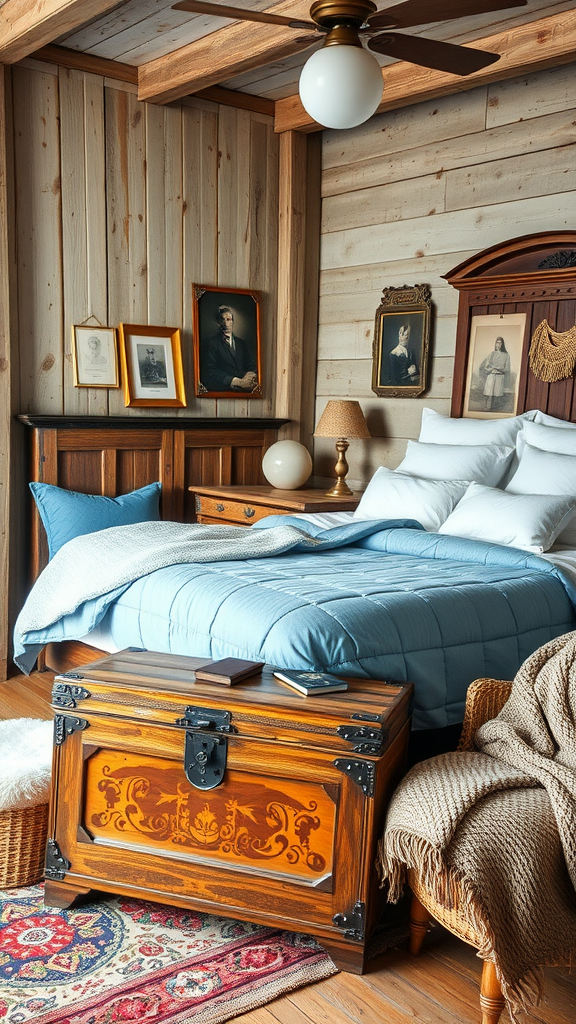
<point>121,554</point>
<point>493,831</point>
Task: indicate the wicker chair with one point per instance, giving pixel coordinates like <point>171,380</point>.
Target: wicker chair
<point>485,698</point>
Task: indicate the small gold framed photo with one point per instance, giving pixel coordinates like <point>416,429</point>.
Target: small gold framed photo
<point>152,366</point>
<point>95,357</point>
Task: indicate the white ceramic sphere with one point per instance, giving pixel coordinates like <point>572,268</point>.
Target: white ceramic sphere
<point>341,86</point>
<point>287,465</point>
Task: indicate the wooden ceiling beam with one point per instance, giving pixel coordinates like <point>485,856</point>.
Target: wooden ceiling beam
<point>524,49</point>
<point>26,26</point>
<point>231,51</point>
<point>67,58</point>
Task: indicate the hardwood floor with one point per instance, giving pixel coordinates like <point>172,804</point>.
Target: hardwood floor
<point>440,986</point>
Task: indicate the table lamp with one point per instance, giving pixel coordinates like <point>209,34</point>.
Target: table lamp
<point>341,419</point>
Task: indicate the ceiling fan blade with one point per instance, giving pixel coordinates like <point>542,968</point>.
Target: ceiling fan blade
<point>422,12</point>
<point>430,53</point>
<point>238,13</point>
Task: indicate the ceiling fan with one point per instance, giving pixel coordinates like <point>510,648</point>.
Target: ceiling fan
<point>342,21</point>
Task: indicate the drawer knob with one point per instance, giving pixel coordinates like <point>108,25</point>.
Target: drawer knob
<point>219,507</point>
<point>249,512</point>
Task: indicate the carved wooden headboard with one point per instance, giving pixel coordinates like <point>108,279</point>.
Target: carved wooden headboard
<point>114,455</point>
<point>536,275</point>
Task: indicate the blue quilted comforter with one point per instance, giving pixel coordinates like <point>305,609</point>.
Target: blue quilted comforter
<point>399,604</point>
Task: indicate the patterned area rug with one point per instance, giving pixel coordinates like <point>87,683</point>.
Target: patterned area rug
<point>117,960</point>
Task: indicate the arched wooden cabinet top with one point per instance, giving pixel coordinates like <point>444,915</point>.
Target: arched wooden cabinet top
<point>536,275</point>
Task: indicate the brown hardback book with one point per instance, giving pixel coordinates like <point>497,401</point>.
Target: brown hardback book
<point>228,671</point>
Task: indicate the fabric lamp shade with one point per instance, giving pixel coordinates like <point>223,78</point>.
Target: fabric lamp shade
<point>342,418</point>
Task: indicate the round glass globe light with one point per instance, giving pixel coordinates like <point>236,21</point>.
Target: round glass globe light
<point>341,86</point>
<point>287,465</point>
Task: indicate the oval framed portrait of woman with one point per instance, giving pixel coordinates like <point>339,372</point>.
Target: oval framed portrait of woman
<point>494,360</point>
<point>401,340</point>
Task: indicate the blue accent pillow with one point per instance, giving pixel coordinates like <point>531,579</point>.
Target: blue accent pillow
<point>68,514</point>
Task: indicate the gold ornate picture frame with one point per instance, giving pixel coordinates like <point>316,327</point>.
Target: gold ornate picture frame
<point>152,366</point>
<point>401,342</point>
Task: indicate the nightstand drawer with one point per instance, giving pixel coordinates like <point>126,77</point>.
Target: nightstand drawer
<point>227,510</point>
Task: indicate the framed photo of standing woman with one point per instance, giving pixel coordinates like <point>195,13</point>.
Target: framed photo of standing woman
<point>401,340</point>
<point>494,360</point>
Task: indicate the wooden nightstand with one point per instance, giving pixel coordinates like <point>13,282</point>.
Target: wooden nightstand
<point>244,505</point>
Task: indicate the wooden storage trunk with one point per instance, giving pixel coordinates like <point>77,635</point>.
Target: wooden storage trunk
<point>249,801</point>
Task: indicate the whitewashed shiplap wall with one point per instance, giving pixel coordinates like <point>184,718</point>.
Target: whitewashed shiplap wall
<point>120,206</point>
<point>406,198</point>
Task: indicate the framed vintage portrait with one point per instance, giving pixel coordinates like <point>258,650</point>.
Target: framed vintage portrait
<point>152,366</point>
<point>493,365</point>
<point>226,338</point>
<point>95,357</point>
<point>401,340</point>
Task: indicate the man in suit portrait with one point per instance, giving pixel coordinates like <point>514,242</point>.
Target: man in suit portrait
<point>228,362</point>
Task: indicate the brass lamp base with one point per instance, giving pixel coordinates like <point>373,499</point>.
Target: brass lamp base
<point>340,489</point>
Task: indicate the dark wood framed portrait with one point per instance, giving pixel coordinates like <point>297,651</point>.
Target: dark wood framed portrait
<point>401,341</point>
<point>226,338</point>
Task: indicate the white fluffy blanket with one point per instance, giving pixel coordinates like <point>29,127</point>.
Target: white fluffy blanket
<point>25,763</point>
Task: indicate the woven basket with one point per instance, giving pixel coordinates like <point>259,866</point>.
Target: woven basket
<point>22,845</point>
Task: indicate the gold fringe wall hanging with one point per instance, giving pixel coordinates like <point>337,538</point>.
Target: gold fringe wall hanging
<point>552,353</point>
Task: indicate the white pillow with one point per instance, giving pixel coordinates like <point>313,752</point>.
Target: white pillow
<point>528,521</point>
<point>544,473</point>
<point>438,429</point>
<point>547,473</point>
<point>549,439</point>
<point>552,421</point>
<point>392,495</point>
<point>486,464</point>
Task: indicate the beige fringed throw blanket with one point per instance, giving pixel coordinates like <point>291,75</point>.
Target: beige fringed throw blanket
<point>502,822</point>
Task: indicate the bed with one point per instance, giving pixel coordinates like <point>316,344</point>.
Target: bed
<point>397,602</point>
<point>377,598</point>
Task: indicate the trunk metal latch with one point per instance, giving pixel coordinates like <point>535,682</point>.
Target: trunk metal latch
<point>204,753</point>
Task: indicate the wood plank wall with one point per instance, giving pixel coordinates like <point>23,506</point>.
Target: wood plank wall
<point>406,198</point>
<point>117,207</point>
<point>120,206</point>
<point>7,371</point>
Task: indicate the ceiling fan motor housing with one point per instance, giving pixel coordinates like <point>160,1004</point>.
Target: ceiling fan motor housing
<point>329,13</point>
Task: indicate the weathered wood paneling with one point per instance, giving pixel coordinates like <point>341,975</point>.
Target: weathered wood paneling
<point>10,466</point>
<point>39,239</point>
<point>409,195</point>
<point>118,208</point>
<point>121,206</point>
